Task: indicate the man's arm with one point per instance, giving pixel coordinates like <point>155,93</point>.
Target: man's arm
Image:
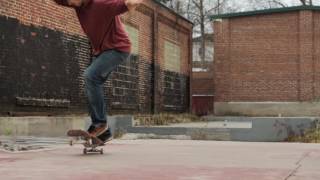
<point>132,4</point>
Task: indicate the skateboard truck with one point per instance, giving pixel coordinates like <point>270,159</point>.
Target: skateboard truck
<point>93,150</point>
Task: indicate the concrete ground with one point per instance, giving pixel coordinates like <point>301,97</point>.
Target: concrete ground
<point>168,159</point>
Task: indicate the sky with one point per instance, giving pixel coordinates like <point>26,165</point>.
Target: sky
<point>244,5</point>
<point>296,2</point>
<point>291,2</point>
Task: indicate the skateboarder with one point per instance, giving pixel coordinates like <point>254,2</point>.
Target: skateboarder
<point>111,46</point>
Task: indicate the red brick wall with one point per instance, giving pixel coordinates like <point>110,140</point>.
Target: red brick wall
<point>270,57</point>
<point>316,51</point>
<point>150,19</point>
<point>42,13</point>
<point>202,83</point>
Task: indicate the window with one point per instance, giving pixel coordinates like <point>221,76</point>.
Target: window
<point>134,38</point>
<point>172,56</point>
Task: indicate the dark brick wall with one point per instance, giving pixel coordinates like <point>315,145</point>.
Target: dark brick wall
<point>43,56</point>
<point>174,98</point>
<point>37,62</point>
<point>123,86</point>
<point>7,59</point>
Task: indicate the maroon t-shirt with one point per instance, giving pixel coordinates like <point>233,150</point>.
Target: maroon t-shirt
<point>101,22</point>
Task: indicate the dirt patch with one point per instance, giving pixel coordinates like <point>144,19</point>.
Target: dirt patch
<point>15,147</point>
<point>21,144</point>
<point>309,136</point>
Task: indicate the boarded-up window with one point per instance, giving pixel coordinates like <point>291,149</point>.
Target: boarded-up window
<point>172,56</point>
<point>134,38</point>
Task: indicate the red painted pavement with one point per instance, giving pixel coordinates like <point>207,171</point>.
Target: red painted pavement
<point>168,159</point>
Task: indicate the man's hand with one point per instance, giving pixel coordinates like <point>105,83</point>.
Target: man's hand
<point>132,4</point>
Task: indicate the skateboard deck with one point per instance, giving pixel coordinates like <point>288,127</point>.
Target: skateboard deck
<point>90,143</point>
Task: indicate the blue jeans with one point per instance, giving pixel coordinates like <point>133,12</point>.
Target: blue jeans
<point>95,75</point>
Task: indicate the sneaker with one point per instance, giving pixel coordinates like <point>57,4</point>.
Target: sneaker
<point>97,130</point>
<point>91,129</point>
<point>106,136</point>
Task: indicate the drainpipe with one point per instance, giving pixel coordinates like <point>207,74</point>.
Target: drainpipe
<point>155,101</point>
<point>190,60</point>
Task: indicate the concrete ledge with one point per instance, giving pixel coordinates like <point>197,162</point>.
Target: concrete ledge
<point>193,133</point>
<point>286,109</point>
<point>39,126</point>
<point>54,126</point>
<point>267,129</point>
<point>273,129</point>
<point>262,129</point>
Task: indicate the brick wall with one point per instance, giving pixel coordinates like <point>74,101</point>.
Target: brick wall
<point>268,57</point>
<point>202,83</point>
<point>316,53</point>
<point>202,93</point>
<point>268,63</point>
<point>44,54</point>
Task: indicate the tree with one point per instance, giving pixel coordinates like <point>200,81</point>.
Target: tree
<point>176,5</point>
<point>199,12</point>
<point>306,2</point>
<point>258,4</point>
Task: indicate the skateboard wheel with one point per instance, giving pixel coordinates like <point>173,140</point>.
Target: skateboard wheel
<point>85,151</point>
<point>101,151</point>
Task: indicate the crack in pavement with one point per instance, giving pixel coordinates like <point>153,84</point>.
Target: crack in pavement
<point>299,165</point>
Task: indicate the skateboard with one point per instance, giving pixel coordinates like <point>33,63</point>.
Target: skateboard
<point>90,143</point>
